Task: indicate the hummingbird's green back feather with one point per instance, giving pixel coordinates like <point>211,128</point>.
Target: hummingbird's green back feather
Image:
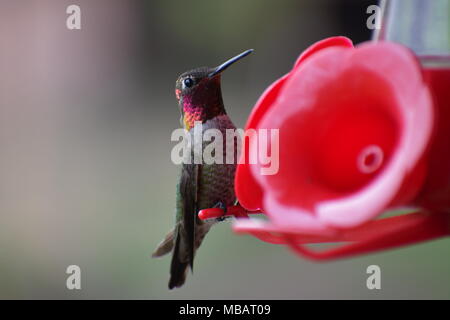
<point>186,215</point>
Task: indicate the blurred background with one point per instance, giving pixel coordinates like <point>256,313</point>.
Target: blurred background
<point>85,172</point>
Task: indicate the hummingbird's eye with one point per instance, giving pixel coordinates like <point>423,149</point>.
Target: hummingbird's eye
<point>188,82</point>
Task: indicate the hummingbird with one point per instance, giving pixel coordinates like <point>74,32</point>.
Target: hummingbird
<point>200,186</point>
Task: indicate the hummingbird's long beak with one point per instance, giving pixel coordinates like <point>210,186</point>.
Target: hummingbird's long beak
<point>228,63</point>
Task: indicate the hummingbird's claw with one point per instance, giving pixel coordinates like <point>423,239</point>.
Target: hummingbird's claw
<point>223,207</point>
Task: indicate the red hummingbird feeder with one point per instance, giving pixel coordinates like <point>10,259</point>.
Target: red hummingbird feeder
<point>364,142</point>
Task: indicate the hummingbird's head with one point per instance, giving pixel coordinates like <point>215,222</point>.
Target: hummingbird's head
<point>199,94</point>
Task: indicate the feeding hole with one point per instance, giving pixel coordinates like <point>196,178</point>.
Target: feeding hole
<point>370,159</point>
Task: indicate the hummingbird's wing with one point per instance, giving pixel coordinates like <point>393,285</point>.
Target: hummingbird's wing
<point>183,252</point>
<point>189,191</point>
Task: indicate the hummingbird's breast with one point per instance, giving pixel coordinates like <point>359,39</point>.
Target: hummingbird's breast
<point>216,181</point>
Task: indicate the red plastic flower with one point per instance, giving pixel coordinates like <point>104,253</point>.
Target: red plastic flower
<point>355,129</point>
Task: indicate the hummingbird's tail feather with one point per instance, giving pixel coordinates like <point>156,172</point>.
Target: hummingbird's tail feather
<point>165,246</point>
<point>183,254</point>
<point>179,265</point>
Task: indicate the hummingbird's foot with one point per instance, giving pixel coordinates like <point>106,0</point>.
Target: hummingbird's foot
<point>223,207</point>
